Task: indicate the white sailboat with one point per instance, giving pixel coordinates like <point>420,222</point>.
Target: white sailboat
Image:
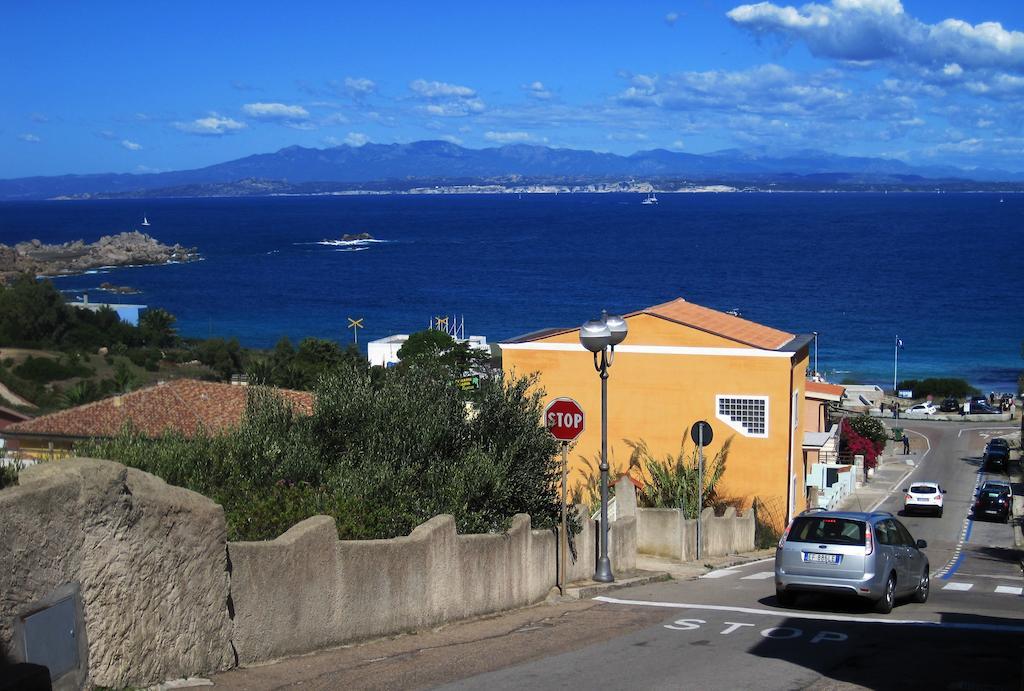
<point>145,221</point>
<point>650,199</point>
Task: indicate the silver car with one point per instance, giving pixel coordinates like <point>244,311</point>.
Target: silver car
<point>869,555</point>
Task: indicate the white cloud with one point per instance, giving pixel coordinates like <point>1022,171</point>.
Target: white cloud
<point>864,30</point>
<point>455,108</point>
<point>538,91</point>
<point>39,117</point>
<point>507,137</point>
<point>29,137</point>
<point>275,112</point>
<point>427,89</point>
<point>360,86</point>
<point>451,139</point>
<point>356,139</point>
<point>671,18</point>
<point>446,100</point>
<point>952,70</point>
<point>678,144</point>
<point>130,145</point>
<point>212,126</point>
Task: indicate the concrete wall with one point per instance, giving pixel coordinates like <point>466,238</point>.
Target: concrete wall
<point>166,596</point>
<point>149,558</point>
<point>665,533</point>
<point>308,590</point>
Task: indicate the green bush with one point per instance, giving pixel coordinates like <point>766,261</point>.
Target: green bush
<point>939,387</point>
<point>868,427</point>
<point>674,482</point>
<point>43,370</point>
<point>380,454</point>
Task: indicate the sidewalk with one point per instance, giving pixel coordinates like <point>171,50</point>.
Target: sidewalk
<point>891,470</point>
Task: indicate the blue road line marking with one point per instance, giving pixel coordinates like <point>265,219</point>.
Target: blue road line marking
<point>967,536</point>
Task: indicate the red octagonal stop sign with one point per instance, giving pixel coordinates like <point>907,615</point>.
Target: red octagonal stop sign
<point>564,419</point>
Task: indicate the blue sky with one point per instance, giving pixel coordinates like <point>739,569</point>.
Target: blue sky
<point>149,86</point>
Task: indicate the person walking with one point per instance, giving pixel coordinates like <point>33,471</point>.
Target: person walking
<point>906,444</point>
<point>896,411</point>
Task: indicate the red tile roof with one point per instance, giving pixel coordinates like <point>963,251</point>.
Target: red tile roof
<point>721,324</point>
<point>183,405</point>
<point>830,391</point>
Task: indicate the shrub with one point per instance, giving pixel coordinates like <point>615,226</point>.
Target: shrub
<point>43,370</point>
<point>380,455</point>
<point>938,386</point>
<point>674,482</point>
<point>855,441</point>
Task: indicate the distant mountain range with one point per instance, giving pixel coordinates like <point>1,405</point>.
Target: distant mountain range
<point>384,167</point>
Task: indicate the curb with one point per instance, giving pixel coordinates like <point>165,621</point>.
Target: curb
<point>1017,504</point>
<point>584,590</point>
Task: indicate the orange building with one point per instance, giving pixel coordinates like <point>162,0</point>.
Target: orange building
<point>680,363</point>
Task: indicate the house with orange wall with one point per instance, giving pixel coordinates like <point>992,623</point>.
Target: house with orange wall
<point>681,363</point>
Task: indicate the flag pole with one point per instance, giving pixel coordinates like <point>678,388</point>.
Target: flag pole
<point>895,363</point>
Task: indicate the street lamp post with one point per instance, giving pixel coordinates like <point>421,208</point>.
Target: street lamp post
<point>815,354</point>
<point>600,336</point>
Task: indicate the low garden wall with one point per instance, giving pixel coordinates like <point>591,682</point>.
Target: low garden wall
<point>308,590</point>
<point>163,595</point>
<point>666,533</point>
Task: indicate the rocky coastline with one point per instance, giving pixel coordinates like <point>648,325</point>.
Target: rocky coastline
<point>124,249</point>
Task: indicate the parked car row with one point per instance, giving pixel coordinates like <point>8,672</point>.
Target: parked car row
<point>997,455</point>
<point>977,405</point>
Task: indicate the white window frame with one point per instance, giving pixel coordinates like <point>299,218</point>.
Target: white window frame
<point>737,425</point>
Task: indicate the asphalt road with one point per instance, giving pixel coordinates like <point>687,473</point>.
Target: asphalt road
<point>725,630</point>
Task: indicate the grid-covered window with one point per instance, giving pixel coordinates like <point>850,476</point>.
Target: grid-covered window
<point>748,415</point>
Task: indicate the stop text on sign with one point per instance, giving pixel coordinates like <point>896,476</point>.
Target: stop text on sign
<point>564,419</point>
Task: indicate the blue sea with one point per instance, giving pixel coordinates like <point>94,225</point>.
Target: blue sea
<point>941,271</point>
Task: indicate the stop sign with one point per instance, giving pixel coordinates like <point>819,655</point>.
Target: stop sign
<point>564,419</point>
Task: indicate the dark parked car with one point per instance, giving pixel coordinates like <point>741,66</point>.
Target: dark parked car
<point>980,405</point>
<point>998,443</point>
<point>950,405</point>
<point>996,458</point>
<point>992,504</point>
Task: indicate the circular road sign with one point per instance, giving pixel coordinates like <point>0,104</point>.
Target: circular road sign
<point>564,419</point>
<point>696,433</point>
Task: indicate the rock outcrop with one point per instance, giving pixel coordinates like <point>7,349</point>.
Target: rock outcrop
<point>124,249</point>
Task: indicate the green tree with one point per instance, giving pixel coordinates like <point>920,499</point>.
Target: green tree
<point>224,357</point>
<point>437,346</point>
<point>32,314</point>
<point>156,328</point>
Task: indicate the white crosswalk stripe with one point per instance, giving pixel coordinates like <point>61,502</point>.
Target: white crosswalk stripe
<point>953,586</point>
<point>958,586</point>
<point>719,573</point>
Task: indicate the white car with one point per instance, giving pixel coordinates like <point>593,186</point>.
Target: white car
<point>922,408</point>
<point>923,496</point>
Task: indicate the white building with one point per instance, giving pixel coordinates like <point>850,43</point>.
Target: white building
<point>384,351</point>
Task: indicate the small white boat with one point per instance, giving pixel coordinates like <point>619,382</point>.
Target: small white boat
<point>145,221</point>
<point>650,199</point>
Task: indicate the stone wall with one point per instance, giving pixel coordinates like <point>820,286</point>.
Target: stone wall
<point>149,558</point>
<point>665,533</point>
<point>307,590</point>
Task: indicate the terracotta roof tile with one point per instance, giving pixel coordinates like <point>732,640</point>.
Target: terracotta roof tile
<point>721,324</point>
<point>813,387</point>
<point>184,405</point>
